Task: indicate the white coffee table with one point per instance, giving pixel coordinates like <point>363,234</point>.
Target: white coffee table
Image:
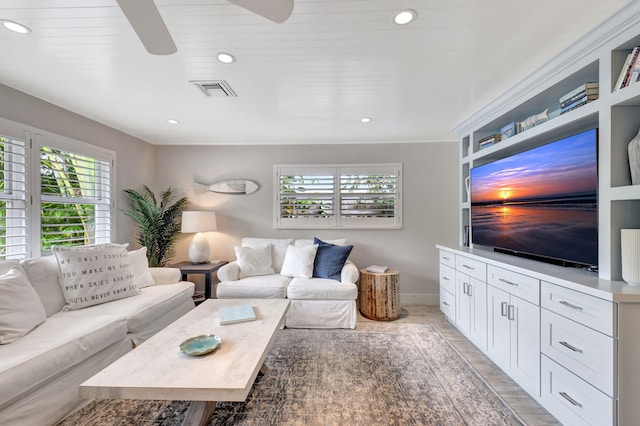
<point>158,370</point>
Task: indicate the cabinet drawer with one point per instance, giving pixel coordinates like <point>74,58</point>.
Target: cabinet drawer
<point>448,304</point>
<point>524,287</point>
<point>582,350</point>
<point>473,268</point>
<point>593,312</point>
<point>447,258</point>
<point>572,400</point>
<point>448,278</point>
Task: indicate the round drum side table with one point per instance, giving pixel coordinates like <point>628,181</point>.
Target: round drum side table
<point>380,295</point>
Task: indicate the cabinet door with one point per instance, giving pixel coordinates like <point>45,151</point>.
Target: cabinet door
<point>525,344</point>
<point>477,293</point>
<point>463,302</point>
<point>498,328</point>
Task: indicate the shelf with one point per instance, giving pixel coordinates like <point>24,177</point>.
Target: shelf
<point>625,193</point>
<point>628,96</point>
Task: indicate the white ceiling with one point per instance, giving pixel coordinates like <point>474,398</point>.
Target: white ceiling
<point>308,80</point>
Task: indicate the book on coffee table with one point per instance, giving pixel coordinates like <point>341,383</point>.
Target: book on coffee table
<point>237,313</point>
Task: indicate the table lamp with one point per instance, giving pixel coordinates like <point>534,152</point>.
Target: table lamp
<point>199,222</point>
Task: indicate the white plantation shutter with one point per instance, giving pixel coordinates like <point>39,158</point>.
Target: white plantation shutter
<point>370,196</point>
<point>338,196</point>
<point>75,194</point>
<point>13,198</point>
<point>306,196</point>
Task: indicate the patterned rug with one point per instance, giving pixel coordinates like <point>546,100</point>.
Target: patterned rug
<point>407,374</point>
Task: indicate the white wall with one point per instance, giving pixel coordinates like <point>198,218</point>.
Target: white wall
<point>134,157</point>
<point>429,201</point>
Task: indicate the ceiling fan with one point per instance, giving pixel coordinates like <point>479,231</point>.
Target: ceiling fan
<point>144,17</point>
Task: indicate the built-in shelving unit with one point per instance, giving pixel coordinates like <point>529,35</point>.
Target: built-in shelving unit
<point>567,336</point>
<point>598,57</point>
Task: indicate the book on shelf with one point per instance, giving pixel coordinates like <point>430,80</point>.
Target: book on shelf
<point>491,138</point>
<point>580,100</point>
<point>508,130</point>
<point>591,85</point>
<point>236,313</point>
<point>591,94</point>
<point>574,106</point>
<point>487,144</point>
<point>377,269</point>
<point>626,73</point>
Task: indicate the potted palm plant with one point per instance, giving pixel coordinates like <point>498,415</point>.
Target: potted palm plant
<point>157,221</point>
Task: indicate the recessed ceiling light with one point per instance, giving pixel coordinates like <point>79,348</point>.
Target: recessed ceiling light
<point>226,58</point>
<point>172,121</point>
<point>405,16</point>
<point>15,27</point>
<point>365,120</point>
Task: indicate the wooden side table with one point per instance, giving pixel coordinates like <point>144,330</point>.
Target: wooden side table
<point>380,295</point>
<point>206,269</point>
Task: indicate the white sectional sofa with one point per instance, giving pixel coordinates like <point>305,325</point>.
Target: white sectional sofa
<point>41,371</point>
<point>316,302</point>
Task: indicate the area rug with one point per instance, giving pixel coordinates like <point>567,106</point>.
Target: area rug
<point>408,374</point>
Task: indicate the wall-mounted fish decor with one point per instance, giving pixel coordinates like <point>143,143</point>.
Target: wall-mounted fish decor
<point>231,187</point>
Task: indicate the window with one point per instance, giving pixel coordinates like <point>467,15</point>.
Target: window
<point>53,191</point>
<point>75,198</point>
<point>13,198</point>
<point>338,196</point>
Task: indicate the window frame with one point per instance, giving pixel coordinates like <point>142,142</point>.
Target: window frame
<point>33,139</point>
<point>337,220</point>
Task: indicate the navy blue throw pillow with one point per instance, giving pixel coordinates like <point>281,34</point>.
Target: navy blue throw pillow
<point>330,259</point>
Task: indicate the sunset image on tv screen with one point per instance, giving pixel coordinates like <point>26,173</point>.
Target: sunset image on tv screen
<point>541,202</point>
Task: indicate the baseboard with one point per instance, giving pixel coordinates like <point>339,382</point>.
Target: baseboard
<point>419,299</point>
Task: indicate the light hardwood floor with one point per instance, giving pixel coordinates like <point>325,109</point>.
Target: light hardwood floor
<point>526,407</point>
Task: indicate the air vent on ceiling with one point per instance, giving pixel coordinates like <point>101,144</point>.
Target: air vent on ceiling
<point>218,88</point>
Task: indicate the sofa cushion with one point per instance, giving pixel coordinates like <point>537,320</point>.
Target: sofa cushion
<point>58,344</point>
<point>330,259</point>
<point>254,261</point>
<point>143,310</point>
<point>321,289</point>
<point>262,287</point>
<point>95,274</point>
<point>298,262</point>
<point>140,267</point>
<point>278,248</point>
<point>44,276</point>
<point>20,307</point>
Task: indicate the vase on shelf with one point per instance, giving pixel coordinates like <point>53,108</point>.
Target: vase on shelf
<point>630,253</point>
<point>634,159</point>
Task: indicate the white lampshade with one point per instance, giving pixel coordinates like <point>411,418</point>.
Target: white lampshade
<point>198,222</point>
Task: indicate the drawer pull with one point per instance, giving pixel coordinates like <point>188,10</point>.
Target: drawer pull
<point>469,287</point>
<point>445,303</point>
<point>465,287</point>
<point>511,312</point>
<point>570,305</point>
<point>507,282</point>
<point>445,278</point>
<point>468,267</point>
<point>570,346</point>
<point>445,258</point>
<point>571,400</point>
<point>503,309</point>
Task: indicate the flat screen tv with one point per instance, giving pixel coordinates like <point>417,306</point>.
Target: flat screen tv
<point>540,203</point>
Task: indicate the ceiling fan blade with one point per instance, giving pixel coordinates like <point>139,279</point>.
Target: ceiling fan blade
<point>277,11</point>
<point>144,17</point>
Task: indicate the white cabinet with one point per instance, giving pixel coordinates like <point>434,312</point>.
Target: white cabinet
<point>514,338</point>
<point>471,308</point>
<point>448,284</point>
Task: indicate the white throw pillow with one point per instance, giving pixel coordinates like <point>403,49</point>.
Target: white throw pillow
<point>91,275</point>
<point>254,260</point>
<point>20,307</point>
<point>140,267</point>
<point>298,263</point>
